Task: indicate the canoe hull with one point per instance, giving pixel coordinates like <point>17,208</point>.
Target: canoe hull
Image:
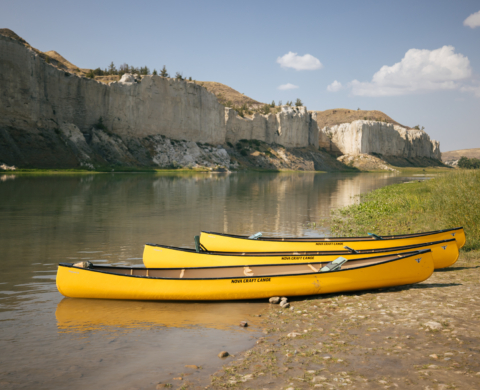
<point>445,253</point>
<point>85,283</point>
<point>228,243</point>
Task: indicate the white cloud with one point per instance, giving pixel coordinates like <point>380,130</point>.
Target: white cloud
<point>473,20</point>
<point>418,71</point>
<point>335,86</point>
<point>293,60</point>
<point>474,88</point>
<point>285,87</point>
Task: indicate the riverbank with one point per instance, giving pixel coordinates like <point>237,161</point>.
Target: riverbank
<point>421,336</point>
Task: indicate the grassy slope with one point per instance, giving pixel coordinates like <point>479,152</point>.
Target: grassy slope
<point>456,154</point>
<point>450,200</point>
<point>342,115</point>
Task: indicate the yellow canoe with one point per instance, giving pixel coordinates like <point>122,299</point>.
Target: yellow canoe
<point>445,253</point>
<point>229,283</point>
<point>231,243</point>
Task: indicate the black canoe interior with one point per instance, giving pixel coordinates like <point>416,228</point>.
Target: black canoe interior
<point>310,253</point>
<point>334,239</point>
<point>253,271</point>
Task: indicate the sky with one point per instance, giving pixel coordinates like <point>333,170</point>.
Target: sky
<point>417,61</point>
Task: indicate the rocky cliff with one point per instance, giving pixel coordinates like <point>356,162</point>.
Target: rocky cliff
<point>50,117</point>
<point>291,127</point>
<point>373,137</point>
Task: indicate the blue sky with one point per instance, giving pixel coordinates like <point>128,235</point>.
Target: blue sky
<point>241,44</point>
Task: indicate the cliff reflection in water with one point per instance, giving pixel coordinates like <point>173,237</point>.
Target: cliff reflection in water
<point>107,218</point>
<point>86,315</point>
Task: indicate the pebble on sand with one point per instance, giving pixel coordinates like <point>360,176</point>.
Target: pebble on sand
<point>244,324</point>
<point>223,354</point>
<point>274,300</point>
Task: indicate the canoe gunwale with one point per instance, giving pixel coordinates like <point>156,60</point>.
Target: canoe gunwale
<point>403,256</point>
<point>303,253</point>
<point>334,239</point>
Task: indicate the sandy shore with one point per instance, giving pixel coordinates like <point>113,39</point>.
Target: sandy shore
<point>423,336</point>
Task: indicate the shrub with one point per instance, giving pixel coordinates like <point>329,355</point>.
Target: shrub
<point>469,163</point>
<point>265,110</point>
<point>298,103</point>
<point>229,144</point>
<point>100,125</point>
<point>243,152</point>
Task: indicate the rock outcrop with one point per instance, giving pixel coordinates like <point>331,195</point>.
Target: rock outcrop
<point>372,137</point>
<point>43,109</point>
<point>291,127</point>
<point>51,117</point>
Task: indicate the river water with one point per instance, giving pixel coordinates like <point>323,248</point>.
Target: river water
<point>51,342</point>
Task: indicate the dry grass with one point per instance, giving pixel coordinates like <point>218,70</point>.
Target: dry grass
<point>456,154</point>
<point>51,57</point>
<point>224,94</point>
<point>338,116</point>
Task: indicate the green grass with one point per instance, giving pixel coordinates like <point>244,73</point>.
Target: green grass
<point>449,200</point>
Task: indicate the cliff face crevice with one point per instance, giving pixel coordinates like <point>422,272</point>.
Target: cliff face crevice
<point>292,127</point>
<point>372,137</point>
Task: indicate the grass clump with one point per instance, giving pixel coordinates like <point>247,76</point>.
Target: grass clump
<point>448,201</point>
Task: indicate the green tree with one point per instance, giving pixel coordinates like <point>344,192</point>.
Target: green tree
<point>112,69</point>
<point>419,128</point>
<point>164,72</point>
<point>298,103</point>
<point>288,103</point>
<point>178,76</point>
<point>154,72</point>
<point>272,104</point>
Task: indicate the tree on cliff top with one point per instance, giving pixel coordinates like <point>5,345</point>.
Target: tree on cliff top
<point>154,72</point>
<point>164,72</point>
<point>112,69</point>
<point>179,76</point>
<point>298,103</point>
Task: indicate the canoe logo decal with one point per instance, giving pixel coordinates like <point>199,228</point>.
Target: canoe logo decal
<point>444,247</point>
<point>453,234</point>
<point>297,258</point>
<point>254,280</point>
<point>418,260</point>
<point>329,243</point>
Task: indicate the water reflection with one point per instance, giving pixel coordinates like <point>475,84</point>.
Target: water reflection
<point>47,342</point>
<point>85,315</point>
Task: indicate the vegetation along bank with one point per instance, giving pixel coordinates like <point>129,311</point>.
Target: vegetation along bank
<point>421,336</point>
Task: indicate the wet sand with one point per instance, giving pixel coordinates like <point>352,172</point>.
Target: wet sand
<point>423,336</point>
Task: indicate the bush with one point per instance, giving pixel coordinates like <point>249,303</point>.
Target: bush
<point>469,163</point>
<point>229,144</point>
<point>265,110</point>
<point>100,125</point>
<point>243,152</point>
<point>298,103</point>
<point>448,201</point>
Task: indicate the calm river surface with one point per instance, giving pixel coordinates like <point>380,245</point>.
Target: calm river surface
<point>51,342</point>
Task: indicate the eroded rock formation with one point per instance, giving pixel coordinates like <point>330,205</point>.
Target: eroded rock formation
<point>372,137</point>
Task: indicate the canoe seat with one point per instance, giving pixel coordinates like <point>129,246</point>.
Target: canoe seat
<point>247,271</point>
<point>83,264</point>
<point>334,265</point>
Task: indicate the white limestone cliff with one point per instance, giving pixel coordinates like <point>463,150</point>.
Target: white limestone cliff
<point>372,137</point>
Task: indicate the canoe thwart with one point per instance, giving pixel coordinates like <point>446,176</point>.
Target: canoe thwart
<point>350,249</point>
<point>375,236</point>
